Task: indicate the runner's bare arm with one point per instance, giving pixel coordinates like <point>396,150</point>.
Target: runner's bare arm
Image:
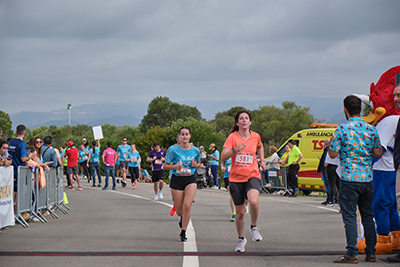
<point>195,164</point>
<point>169,166</point>
<point>260,151</point>
<point>223,166</point>
<point>227,153</point>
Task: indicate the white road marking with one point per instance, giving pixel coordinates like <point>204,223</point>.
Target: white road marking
<point>308,205</point>
<point>189,246</point>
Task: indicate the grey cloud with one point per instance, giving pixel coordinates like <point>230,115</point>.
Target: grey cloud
<point>85,51</point>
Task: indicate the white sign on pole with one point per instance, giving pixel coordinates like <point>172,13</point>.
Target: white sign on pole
<point>97,132</point>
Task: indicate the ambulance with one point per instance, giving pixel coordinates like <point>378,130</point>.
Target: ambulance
<point>311,144</point>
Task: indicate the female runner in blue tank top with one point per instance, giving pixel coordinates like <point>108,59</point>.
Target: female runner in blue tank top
<point>183,160</point>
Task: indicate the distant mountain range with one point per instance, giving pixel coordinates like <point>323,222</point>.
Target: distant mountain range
<point>327,109</point>
<point>114,120</point>
<point>95,115</point>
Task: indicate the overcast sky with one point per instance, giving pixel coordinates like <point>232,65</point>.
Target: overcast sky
<point>90,51</point>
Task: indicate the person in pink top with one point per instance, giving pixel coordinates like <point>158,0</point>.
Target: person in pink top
<point>242,146</point>
<point>109,156</point>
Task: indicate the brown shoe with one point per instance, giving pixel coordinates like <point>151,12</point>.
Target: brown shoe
<point>345,259</point>
<point>370,258</point>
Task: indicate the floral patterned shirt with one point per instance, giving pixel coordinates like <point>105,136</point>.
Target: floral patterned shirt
<point>354,141</point>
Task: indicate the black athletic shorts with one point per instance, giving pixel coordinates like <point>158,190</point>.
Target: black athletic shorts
<point>239,190</point>
<point>123,164</point>
<point>180,182</point>
<point>157,176</point>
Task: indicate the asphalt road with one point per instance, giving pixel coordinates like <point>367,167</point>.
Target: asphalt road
<point>128,228</point>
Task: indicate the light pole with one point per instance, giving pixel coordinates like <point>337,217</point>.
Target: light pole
<point>69,111</point>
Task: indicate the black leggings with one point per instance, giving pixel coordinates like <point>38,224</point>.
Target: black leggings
<point>85,169</point>
<point>134,171</point>
<point>334,182</point>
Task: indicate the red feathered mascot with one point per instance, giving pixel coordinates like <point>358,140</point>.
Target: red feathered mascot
<point>384,173</point>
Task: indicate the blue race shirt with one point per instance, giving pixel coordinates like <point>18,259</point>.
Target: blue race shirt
<point>177,154</point>
<point>83,156</point>
<point>171,147</point>
<point>215,161</point>
<point>94,157</point>
<point>123,152</point>
<point>17,149</point>
<point>135,156</point>
<point>144,173</point>
<point>354,141</point>
<point>228,165</point>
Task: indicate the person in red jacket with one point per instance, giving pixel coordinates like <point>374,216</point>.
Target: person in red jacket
<point>72,165</point>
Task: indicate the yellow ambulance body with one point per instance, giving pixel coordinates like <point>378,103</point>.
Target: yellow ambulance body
<point>311,145</point>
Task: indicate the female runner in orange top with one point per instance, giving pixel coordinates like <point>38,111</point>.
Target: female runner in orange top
<point>242,145</point>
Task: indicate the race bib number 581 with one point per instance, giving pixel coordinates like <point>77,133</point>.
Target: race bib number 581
<point>244,159</point>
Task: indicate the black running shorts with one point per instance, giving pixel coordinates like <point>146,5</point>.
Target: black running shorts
<point>123,164</point>
<point>180,182</point>
<point>157,176</point>
<point>239,190</point>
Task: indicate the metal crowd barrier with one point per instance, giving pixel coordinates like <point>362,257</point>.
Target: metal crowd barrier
<point>277,179</point>
<point>60,191</point>
<point>41,196</point>
<point>46,198</point>
<point>24,197</point>
<point>51,180</point>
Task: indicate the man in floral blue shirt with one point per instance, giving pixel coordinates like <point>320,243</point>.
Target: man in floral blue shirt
<point>356,142</point>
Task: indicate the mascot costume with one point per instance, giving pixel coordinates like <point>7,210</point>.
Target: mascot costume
<point>384,205</point>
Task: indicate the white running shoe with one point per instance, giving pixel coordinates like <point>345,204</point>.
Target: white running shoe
<point>246,210</point>
<point>156,197</point>
<point>256,234</point>
<point>241,244</point>
<point>160,196</point>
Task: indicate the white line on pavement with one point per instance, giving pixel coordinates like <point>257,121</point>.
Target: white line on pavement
<point>189,246</point>
<point>308,205</point>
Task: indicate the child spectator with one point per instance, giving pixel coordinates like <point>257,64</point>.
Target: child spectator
<point>144,176</point>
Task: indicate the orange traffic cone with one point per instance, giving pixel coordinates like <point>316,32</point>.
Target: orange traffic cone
<point>383,245</point>
<point>396,240</point>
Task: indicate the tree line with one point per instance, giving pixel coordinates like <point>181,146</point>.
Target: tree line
<point>164,118</point>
